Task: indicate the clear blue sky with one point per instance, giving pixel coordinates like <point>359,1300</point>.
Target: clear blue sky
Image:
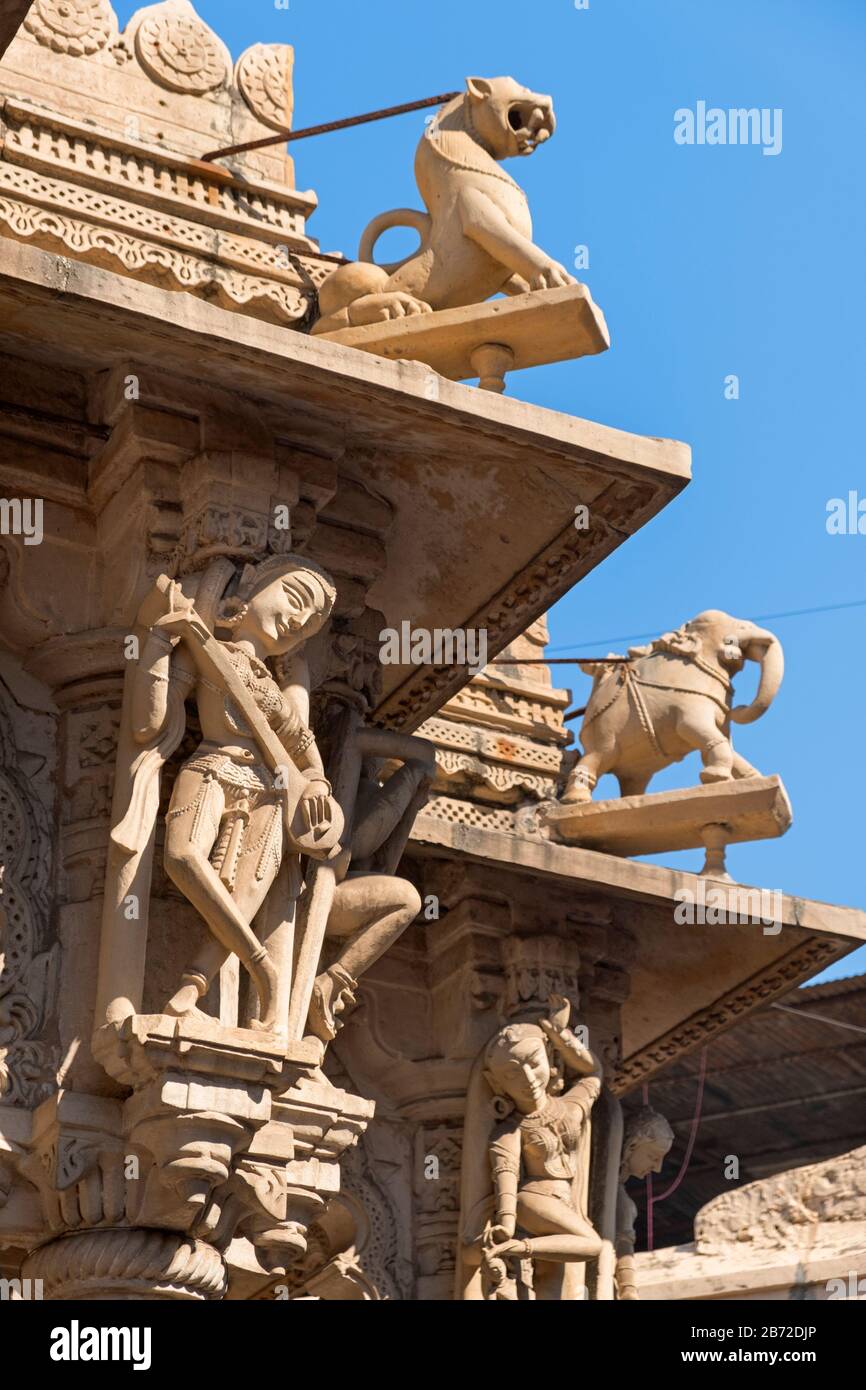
<point>707,261</point>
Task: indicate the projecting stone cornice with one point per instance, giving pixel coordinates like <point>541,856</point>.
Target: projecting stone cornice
<point>482,490</point>
<point>690,981</point>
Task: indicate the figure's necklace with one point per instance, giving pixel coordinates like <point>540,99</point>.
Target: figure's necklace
<point>247,664</point>
<point>257,678</point>
<point>540,1119</point>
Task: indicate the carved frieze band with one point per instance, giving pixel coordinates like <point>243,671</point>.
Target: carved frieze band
<point>519,752</point>
<point>61,145</point>
<point>458,812</point>
<point>57,231</point>
<point>491,779</point>
<point>175,232</point>
<point>504,710</point>
<point>244,245</point>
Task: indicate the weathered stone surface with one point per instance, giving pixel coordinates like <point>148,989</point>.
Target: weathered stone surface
<point>754,809</point>
<point>800,1234</point>
<point>265,1013</point>
<point>533,329</point>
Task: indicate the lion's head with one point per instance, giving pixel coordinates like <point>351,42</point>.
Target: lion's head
<point>509,119</point>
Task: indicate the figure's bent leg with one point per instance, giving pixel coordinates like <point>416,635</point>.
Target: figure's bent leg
<point>557,1232</point>
<point>372,911</point>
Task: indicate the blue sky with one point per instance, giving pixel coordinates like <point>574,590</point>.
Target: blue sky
<point>707,261</point>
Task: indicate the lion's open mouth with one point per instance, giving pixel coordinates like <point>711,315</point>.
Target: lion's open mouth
<point>531,126</point>
<point>528,141</point>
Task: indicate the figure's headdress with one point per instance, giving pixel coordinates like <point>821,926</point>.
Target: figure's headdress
<point>255,578</point>
<point>500,1049</point>
<point>646,1126</point>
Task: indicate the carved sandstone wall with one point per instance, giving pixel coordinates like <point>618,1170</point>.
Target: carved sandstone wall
<point>98,130</point>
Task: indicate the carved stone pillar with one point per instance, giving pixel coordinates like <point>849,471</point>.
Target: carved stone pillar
<point>84,675</point>
<point>437,1207</point>
<point>224,1136</point>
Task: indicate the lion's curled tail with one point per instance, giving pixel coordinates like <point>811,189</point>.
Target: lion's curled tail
<point>398,217</point>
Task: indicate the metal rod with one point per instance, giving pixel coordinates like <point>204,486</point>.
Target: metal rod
<point>560,660</point>
<point>329,126</point>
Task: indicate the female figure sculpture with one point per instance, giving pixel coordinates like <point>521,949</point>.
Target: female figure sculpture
<point>230,820</point>
<point>526,1153</point>
<point>254,796</point>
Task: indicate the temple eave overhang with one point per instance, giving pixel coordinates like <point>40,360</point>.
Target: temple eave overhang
<point>488,485</point>
<point>690,980</point>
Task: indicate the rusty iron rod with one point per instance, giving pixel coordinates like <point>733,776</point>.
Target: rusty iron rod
<point>330,126</point>
<point>562,661</point>
<point>559,660</point>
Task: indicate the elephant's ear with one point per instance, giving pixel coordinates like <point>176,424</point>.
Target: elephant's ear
<point>679,643</point>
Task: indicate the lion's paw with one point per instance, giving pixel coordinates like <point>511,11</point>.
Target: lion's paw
<point>381,308</point>
<point>552,276</point>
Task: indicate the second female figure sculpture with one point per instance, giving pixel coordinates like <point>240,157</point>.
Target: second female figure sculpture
<point>526,1157</point>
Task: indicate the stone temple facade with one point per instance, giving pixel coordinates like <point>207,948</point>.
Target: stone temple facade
<point>322,975</point>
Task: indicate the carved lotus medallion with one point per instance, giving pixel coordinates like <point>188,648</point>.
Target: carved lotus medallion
<point>264,75</point>
<point>180,52</point>
<point>77,27</point>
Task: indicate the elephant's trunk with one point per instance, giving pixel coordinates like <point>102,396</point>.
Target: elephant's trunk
<point>772,670</point>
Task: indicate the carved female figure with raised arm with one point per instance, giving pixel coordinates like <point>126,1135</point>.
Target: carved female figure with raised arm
<point>535,1146</point>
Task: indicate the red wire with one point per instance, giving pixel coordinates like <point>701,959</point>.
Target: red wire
<point>650,1199</point>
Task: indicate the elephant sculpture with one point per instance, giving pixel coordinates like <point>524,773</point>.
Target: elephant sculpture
<point>657,705</point>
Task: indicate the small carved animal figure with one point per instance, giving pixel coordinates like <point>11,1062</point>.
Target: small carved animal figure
<point>476,235</point>
<point>671,697</point>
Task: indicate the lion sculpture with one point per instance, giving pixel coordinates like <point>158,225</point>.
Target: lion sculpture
<point>476,235</point>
